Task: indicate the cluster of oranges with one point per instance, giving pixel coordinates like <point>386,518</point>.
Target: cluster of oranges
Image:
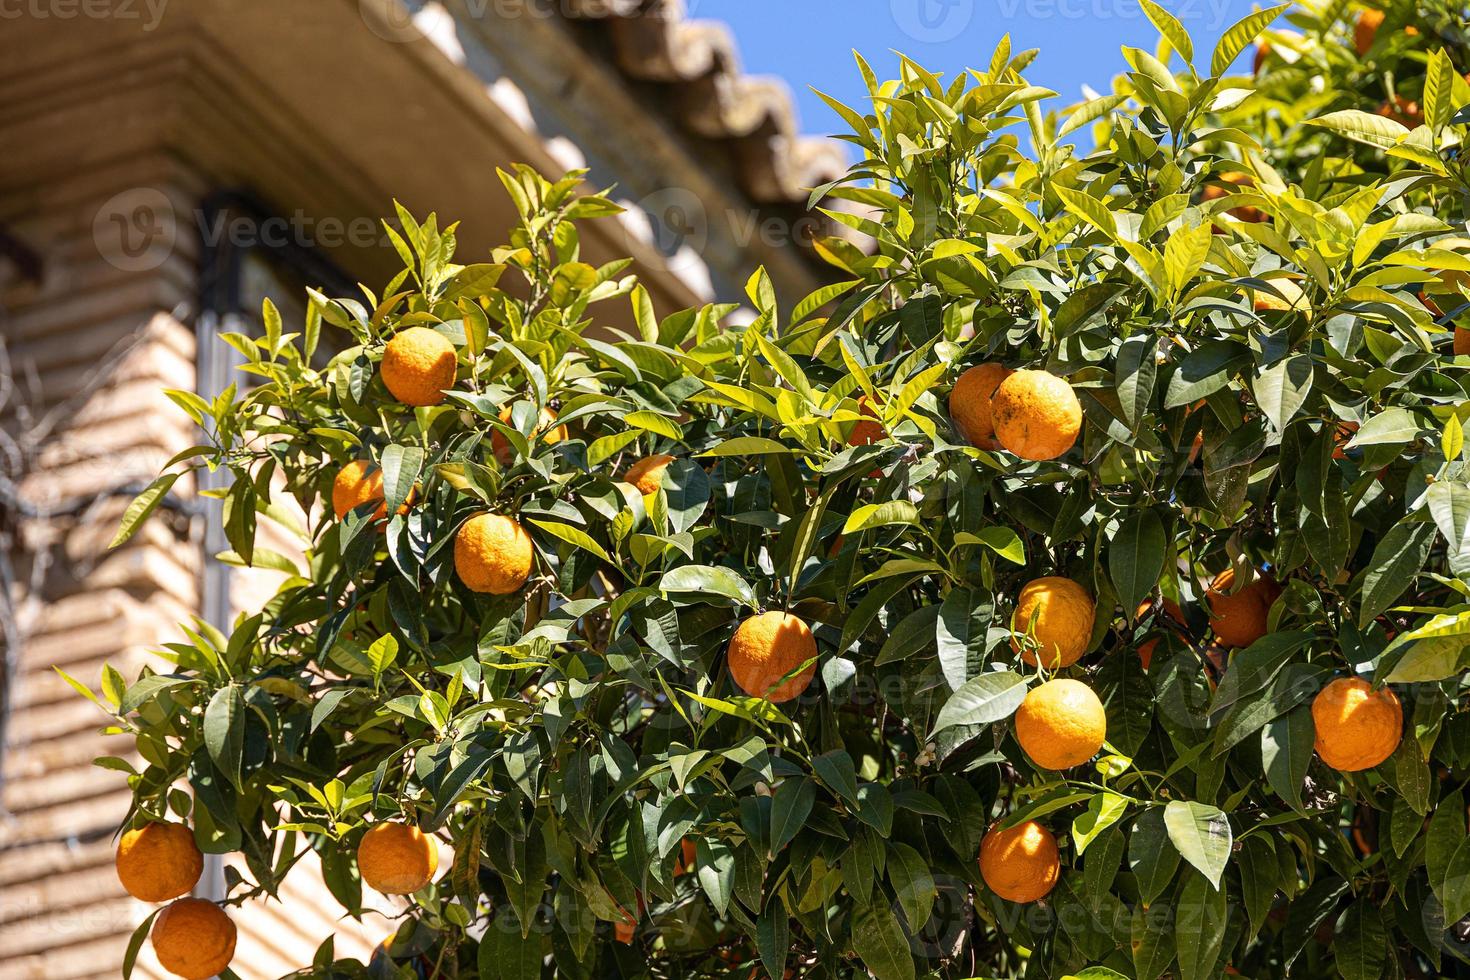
<point>159,862</point>
<point>193,938</point>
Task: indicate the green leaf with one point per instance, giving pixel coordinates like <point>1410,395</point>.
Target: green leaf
<point>381,653</point>
<point>790,807</point>
<point>688,489</point>
<point>504,952</point>
<point>964,621</point>
<point>1363,127</point>
<point>1201,833</point>
<point>913,884</point>
<point>837,770</point>
<point>1396,563</point>
<point>1391,427</point>
<point>573,536</point>
<point>1001,540</point>
<point>1360,947</point>
<point>142,507</point>
<point>880,515</point>
<point>1103,810</point>
<point>1205,371</point>
<point>1170,27</point>
<point>1286,751</point>
<point>748,446</point>
<point>1429,661</point>
<point>1239,36</point>
<point>709,580</point>
<point>655,423</point>
<point>224,731</point>
<point>1199,930</point>
<point>1136,556</point>
<point>1439,88</point>
<point>1089,209</point>
<point>773,938</point>
<point>1282,388</point>
<point>401,468</point>
<point>879,941</point>
<point>981,700</point>
<point>1151,857</point>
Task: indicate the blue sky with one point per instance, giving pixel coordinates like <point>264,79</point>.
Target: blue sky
<point>810,42</point>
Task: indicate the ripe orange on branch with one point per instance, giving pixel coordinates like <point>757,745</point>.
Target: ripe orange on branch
<point>418,366</point>
<point>358,483</point>
<point>868,429</point>
<point>493,554</point>
<point>1357,727</point>
<point>1172,611</point>
<point>397,858</point>
<point>1064,614</point>
<point>648,473</point>
<point>766,648</point>
<point>159,861</point>
<point>1020,864</point>
<point>970,403</point>
<point>193,939</point>
<point>1061,724</point>
<point>1037,415</point>
<point>1240,619</point>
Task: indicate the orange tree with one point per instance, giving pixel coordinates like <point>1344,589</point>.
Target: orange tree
<point>1077,587</point>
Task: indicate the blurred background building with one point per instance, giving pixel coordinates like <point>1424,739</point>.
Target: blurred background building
<point>166,164</point>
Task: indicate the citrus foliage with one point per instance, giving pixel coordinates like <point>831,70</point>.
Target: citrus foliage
<point>1225,467</point>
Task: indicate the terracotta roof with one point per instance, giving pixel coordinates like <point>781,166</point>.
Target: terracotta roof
<point>696,66</point>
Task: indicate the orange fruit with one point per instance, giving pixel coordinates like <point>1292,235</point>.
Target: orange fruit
<point>359,482</point>
<point>1344,432</point>
<point>1357,727</point>
<point>193,939</point>
<point>159,861</point>
<point>1240,619</point>
<point>1061,724</point>
<point>1213,192</point>
<point>1291,298</point>
<point>1263,51</point>
<point>1366,29</point>
<point>1037,415</point>
<point>1147,648</point>
<point>648,473</point>
<point>1020,864</point>
<point>970,403</point>
<point>685,861</point>
<point>626,927</point>
<point>868,430</point>
<point>1064,613</point>
<point>493,554</point>
<point>1402,111</point>
<point>766,648</point>
<point>396,858</point>
<point>418,365</point>
<point>505,453</point>
<point>1462,341</point>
